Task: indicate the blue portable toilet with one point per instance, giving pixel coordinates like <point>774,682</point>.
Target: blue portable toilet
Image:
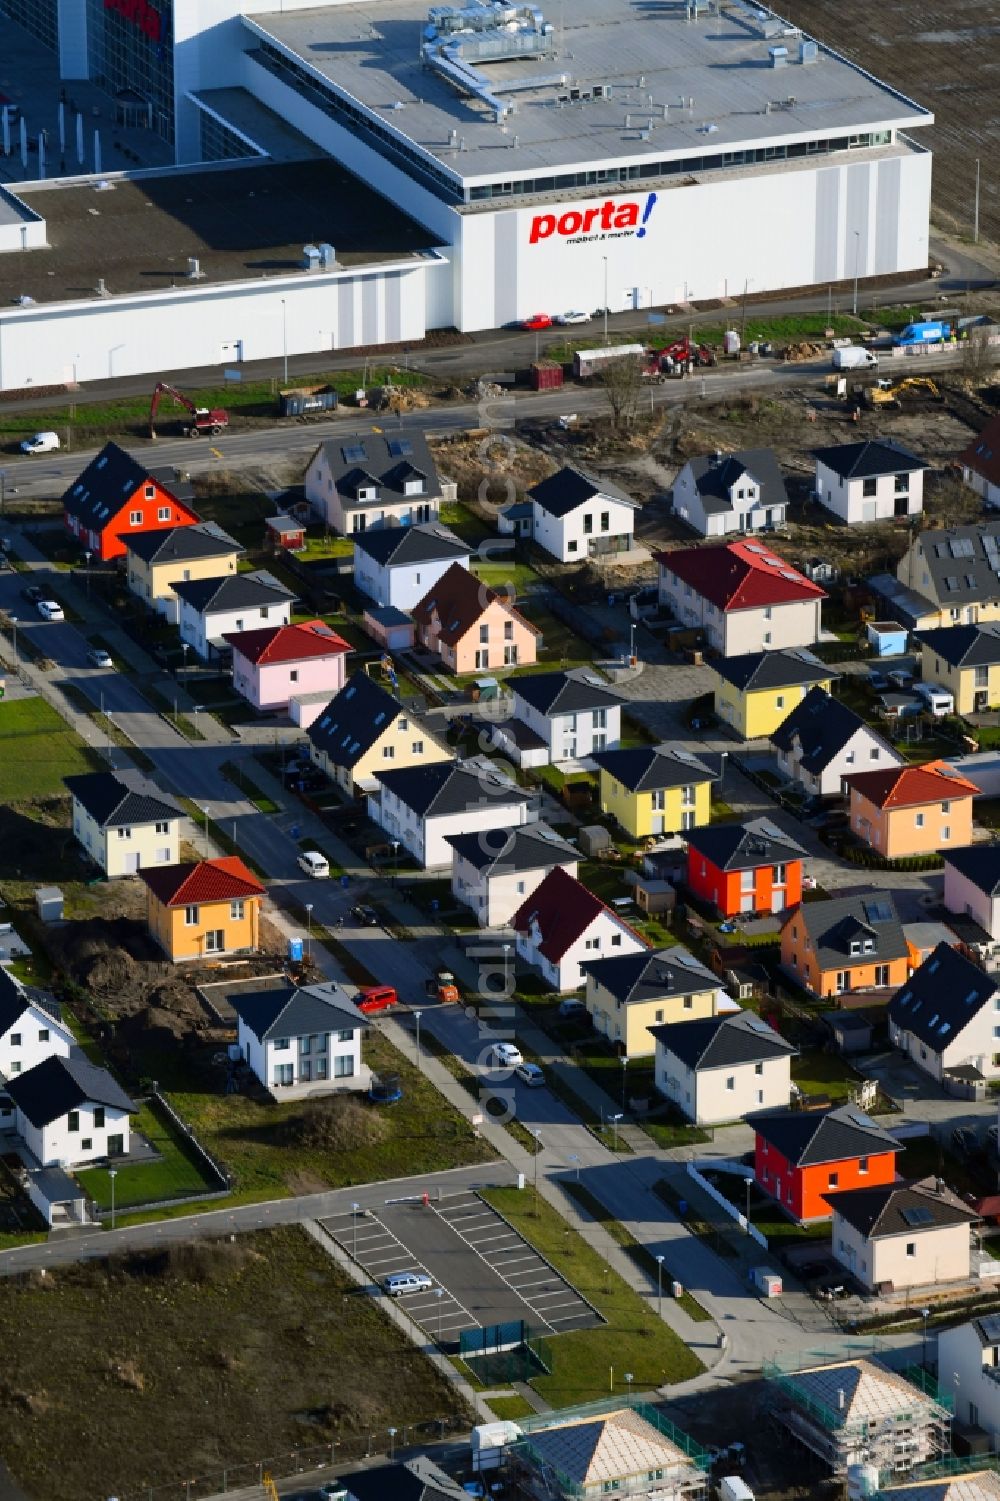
<point>345,881</point>
<point>295,950</point>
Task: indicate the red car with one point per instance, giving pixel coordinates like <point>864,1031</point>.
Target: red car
<point>537,320</point>
<point>372,998</point>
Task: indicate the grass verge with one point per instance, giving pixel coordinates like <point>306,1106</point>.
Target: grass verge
<point>690,1217</point>
<point>510,1408</point>
<point>38,749</point>
<point>236,773</point>
<point>174,1174</point>
<point>583,1359</point>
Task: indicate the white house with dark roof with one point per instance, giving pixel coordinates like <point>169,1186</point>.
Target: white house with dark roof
<point>561,924</point>
<point>972,889</point>
<point>717,493</point>
<point>358,482</point>
<point>968,1360</point>
<point>421,806</point>
<point>873,480</point>
<point>822,741</point>
<point>946,1018</point>
<point>31,1028</point>
<point>494,870</point>
<point>213,608</point>
<point>70,1112</point>
<point>572,714</point>
<point>723,1068</point>
<point>301,1040</point>
<point>396,565</point>
<point>577,515</point>
<point>902,1235</point>
<point>124,822</point>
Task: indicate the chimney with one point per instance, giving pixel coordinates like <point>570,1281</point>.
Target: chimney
<point>841,1399</point>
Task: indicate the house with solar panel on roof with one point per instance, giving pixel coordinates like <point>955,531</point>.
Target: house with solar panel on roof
<point>953,574</point>
<point>363,730</point>
<point>754,693</point>
<point>724,1068</point>
<point>847,943</point>
<point>358,482</point>
<point>902,1235</point>
<point>946,1019</point>
<point>858,1412</point>
<point>803,1158</point>
<point>744,597</point>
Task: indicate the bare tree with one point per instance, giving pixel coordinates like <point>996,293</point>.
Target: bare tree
<point>622,382</point>
<point>976,357</point>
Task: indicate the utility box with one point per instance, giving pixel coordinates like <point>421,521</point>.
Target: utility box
<point>49,903</point>
<point>546,375</point>
<point>734,1488</point>
<point>767,1283</point>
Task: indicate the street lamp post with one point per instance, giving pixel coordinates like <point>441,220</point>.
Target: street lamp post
<point>975,241</point>
<point>629,1378</point>
<point>354,1213</point>
<point>857,258</point>
<point>207,845</point>
<point>749,1185</point>
<point>284,340</point>
<point>538,1153</point>
<point>614,1121</point>
<point>440,1294</point>
<point>185,648</point>
<point>392,1444</point>
<point>3,489</point>
<point>309,929</point>
<point>659,1287</point>
<point>13,627</point>
<point>605,260</point>
<point>624,1063</point>
<point>506,970</point>
<point>925,1314</point>
<point>87,556</point>
<point>395,862</point>
<point>416,1017</point>
<point>112,1174</point>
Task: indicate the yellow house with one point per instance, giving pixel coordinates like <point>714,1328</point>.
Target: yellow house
<point>628,994</point>
<point>654,789</point>
<point>954,573</point>
<point>964,660</point>
<point>157,560</point>
<point>364,730</point>
<point>755,693</point>
<point>205,909</point>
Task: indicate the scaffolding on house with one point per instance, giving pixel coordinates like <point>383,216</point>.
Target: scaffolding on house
<point>859,1412</point>
<point>684,1479</point>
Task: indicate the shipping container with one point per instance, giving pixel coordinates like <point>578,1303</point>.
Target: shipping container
<point>546,375</point>
<point>302,402</point>
<point>590,361</point>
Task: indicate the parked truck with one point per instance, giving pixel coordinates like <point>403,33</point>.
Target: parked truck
<point>923,333</point>
<point>853,357</point>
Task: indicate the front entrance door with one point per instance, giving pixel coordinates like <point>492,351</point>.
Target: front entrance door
<point>116,1146</point>
<point>778,901</point>
<point>231,352</point>
<point>131,864</point>
<point>215,941</point>
<point>659,823</point>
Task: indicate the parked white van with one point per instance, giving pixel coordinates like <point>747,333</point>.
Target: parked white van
<point>41,443</point>
<point>938,700</point>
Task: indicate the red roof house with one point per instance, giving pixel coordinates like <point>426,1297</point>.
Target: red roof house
<point>562,924</point>
<point>980,462</point>
<point>201,910</point>
<point>116,496</point>
<point>802,1158</point>
<point>911,810</point>
<point>742,595</point>
<point>744,867</point>
<point>289,667</point>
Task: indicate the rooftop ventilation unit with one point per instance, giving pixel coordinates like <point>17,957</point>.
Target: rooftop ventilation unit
<point>327,255</point>
<point>458,39</point>
<point>808,51</point>
<point>310,257</point>
<point>195,273</point>
<point>778,56</point>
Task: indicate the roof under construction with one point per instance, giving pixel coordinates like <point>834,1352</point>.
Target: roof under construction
<point>852,1393</point>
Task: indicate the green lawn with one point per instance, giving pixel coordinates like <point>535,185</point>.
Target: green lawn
<point>521,577</point>
<point>464,523</point>
<point>235,772</point>
<point>632,1339</point>
<point>175,1175</point>
<point>38,749</point>
<point>824,1073</point>
<point>510,1408</point>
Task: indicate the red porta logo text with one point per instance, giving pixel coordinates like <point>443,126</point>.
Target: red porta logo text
<point>141,14</point>
<point>609,215</point>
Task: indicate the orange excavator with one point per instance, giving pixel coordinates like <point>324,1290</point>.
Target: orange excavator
<point>205,421</point>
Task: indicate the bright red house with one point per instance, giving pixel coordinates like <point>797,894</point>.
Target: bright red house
<point>116,496</point>
<point>744,867</point>
<point>802,1158</point>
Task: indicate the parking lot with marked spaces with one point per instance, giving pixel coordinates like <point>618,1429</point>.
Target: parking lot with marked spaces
<point>482,1271</point>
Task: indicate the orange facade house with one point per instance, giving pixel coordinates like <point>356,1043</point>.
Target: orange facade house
<point>911,810</point>
<point>844,944</point>
<point>744,867</point>
<point>803,1159</point>
<point>205,909</point>
<point>473,628</point>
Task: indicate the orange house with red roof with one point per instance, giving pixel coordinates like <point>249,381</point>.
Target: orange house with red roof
<point>205,909</point>
<point>911,810</point>
<point>562,924</point>
<point>116,496</point>
<point>743,596</point>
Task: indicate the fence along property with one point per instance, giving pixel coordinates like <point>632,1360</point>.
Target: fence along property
<point>725,1205</point>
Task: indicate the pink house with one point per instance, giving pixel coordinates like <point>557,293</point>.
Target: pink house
<point>294,667</point>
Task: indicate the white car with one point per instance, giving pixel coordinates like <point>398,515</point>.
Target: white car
<point>530,1074</point>
<point>49,610</point>
<point>41,443</point>
<point>505,1055</point>
<point>313,863</point>
<point>98,657</point>
<point>573,317</point>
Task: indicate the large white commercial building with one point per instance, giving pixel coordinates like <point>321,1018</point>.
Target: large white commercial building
<point>523,160</point>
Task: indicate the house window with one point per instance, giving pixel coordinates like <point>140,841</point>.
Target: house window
<point>15,1039</point>
<point>731,1082</point>
<point>388,752</point>
<point>98,1117</point>
<point>321,1068</point>
<point>15,1068</point>
<point>124,833</point>
<point>758,1069</point>
<point>945,833</point>
<point>833,1180</point>
<point>911,1248</point>
<point>191,917</point>
<point>215,941</point>
<point>417,748</point>
<point>346,1035</point>
<point>902,484</point>
<point>484,633</point>
<point>779,702</point>
<point>572,546</point>
<point>508,630</point>
<point>616,940</point>
<point>919,820</point>
<point>862,1165</point>
<point>163,513</point>
<point>87,1144</point>
<point>588,524</point>
<point>293,676</point>
<point>767,638</point>
<point>281,1043</point>
<point>343,1066</point>
<point>605,521</point>
<point>869,487</point>
<point>946,807</point>
<point>237,910</point>
<point>689,1003</point>
<point>659,1016</point>
<point>592,943</point>
<point>73,1121</point>
<point>403,724</point>
<point>881,974</point>
<point>135,518</point>
<point>305,1044</point>
<point>43,1034</point>
<point>163,828</point>
<point>239,624</point>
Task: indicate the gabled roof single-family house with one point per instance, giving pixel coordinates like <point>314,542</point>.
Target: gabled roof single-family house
<point>803,1158</point>
<point>717,493</point>
<point>219,606</point>
<point>396,565</point>
<point>756,692</point>
<point>911,810</point>
<point>613,1453</point>
<point>416,1479</point>
<point>980,462</point>
<point>301,1039</point>
<point>745,867</point>
<point>420,806</point>
<point>116,496</point>
<point>902,1235</point>
<point>965,660</point>
<point>365,729</point>
<point>723,1068</point>
<point>628,994</point>
<point>945,1017</point>
<point>744,597</point>
<point>578,515</point>
<point>972,885</point>
<point>205,909</point>
<point>495,869</point>
<point>156,560</point>
<point>69,1111</point>
<point>124,822</point>
<point>296,667</point>
<point>358,482</point>
<point>823,740</point>
<point>873,480</point>
<point>31,1027</point>
<point>561,924</point>
<point>845,943</point>
<point>655,789</point>
<point>968,1358</point>
<point>572,714</point>
<point>471,627</point>
<point>956,570</point>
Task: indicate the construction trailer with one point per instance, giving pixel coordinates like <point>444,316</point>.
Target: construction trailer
<point>858,1412</point>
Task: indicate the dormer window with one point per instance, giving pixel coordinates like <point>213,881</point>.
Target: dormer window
<point>855,947</point>
<point>869,946</point>
<point>368,492</point>
<point>414,487</point>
